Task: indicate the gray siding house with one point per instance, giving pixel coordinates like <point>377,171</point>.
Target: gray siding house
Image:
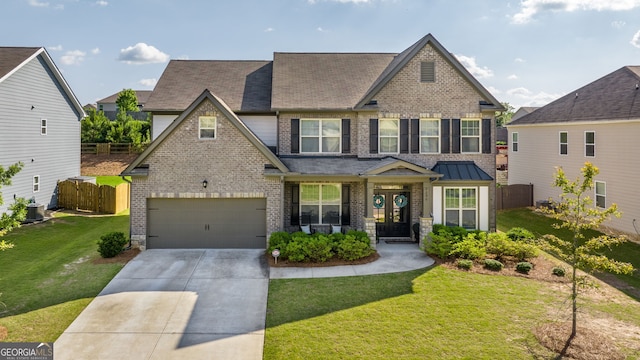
<point>598,123</point>
<point>39,125</point>
<point>372,141</point>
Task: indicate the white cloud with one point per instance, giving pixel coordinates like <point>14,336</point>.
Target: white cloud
<point>619,24</point>
<point>530,99</point>
<point>635,41</point>
<point>512,77</point>
<point>55,48</point>
<point>493,90</point>
<point>469,62</point>
<point>73,57</point>
<point>183,57</point>
<point>95,51</point>
<point>36,3</point>
<point>142,53</point>
<point>102,3</point>
<point>148,82</point>
<point>342,1</point>
<point>519,60</point>
<point>529,8</point>
<point>320,29</point>
<point>269,29</point>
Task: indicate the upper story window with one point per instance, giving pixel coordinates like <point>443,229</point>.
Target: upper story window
<point>427,71</point>
<point>601,194</point>
<point>389,135</point>
<point>429,136</point>
<point>320,135</point>
<point>43,126</point>
<point>470,135</point>
<point>590,143</point>
<point>207,127</point>
<point>564,143</point>
<point>36,183</point>
<point>514,141</point>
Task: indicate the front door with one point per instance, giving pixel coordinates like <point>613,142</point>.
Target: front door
<point>391,211</point>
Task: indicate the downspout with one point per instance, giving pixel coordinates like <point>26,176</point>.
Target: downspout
<point>129,182</point>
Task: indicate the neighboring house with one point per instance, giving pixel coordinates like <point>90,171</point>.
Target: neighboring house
<point>39,125</point>
<point>522,112</point>
<point>110,108</point>
<point>370,141</point>
<point>598,123</point>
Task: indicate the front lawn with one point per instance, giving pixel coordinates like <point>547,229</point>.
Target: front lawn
<point>438,313</point>
<point>540,225</point>
<point>111,180</point>
<point>49,277</point>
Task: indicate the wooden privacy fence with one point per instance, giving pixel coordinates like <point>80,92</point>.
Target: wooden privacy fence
<point>514,196</point>
<point>75,195</point>
<point>108,148</point>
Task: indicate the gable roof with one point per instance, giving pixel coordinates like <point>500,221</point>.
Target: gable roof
<point>324,80</point>
<point>243,85</point>
<point>13,58</point>
<point>141,95</point>
<point>615,96</point>
<point>227,112</point>
<point>403,59</point>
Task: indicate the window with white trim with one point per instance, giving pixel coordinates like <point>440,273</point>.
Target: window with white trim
<point>320,203</point>
<point>601,194</point>
<point>207,127</point>
<point>461,207</point>
<point>320,135</point>
<point>36,183</point>
<point>590,143</point>
<point>470,135</point>
<point>564,143</point>
<point>389,135</point>
<point>43,126</point>
<point>429,136</point>
<point>514,141</point>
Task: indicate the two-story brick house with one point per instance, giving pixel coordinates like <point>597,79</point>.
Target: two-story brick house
<point>370,141</point>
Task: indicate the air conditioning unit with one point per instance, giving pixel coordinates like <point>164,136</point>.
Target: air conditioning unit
<point>35,212</point>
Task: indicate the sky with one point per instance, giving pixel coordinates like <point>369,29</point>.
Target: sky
<point>526,53</point>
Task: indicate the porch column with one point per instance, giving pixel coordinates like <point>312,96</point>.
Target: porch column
<point>427,206</point>
<point>369,221</point>
<point>426,226</point>
<point>370,229</point>
<point>368,201</point>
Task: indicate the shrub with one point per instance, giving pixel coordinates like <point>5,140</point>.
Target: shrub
<point>470,248</point>
<point>492,264</point>
<point>520,234</point>
<point>524,267</point>
<point>318,249</point>
<point>352,248</point>
<point>295,250</point>
<point>523,251</point>
<point>279,240</point>
<point>499,244</point>
<point>438,245</point>
<point>112,244</point>
<point>558,271</point>
<point>464,264</point>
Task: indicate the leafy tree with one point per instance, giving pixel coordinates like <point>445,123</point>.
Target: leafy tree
<point>18,209</point>
<point>94,127</point>
<point>577,215</point>
<point>127,100</point>
<point>503,117</point>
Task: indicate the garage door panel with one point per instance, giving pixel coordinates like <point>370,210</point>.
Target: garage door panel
<point>206,223</point>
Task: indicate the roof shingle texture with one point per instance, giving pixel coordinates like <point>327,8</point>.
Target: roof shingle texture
<point>11,57</point>
<point>612,97</point>
<point>243,85</point>
<point>141,95</point>
<point>335,165</point>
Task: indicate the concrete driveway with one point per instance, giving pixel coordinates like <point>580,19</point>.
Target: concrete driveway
<point>176,304</point>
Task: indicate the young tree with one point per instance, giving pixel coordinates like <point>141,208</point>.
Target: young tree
<point>18,210</point>
<point>576,213</point>
<point>94,127</point>
<point>127,100</point>
<point>503,117</point>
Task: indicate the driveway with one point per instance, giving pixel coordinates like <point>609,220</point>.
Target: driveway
<point>176,304</point>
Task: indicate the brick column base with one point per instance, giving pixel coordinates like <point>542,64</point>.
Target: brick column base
<point>370,229</point>
<point>426,225</point>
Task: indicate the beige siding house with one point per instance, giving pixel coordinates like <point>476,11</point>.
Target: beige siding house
<point>598,123</point>
<point>386,143</point>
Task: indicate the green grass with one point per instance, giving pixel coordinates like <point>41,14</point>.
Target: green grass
<point>49,277</point>
<point>111,180</point>
<point>540,225</point>
<point>426,314</point>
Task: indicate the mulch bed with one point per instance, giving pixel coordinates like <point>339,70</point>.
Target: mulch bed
<point>122,258</point>
<point>335,261</point>
<point>102,165</point>
<point>586,345</point>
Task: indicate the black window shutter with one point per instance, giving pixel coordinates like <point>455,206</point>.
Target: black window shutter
<point>295,204</point>
<point>404,136</point>
<point>445,142</point>
<point>346,197</point>
<point>486,136</point>
<point>346,136</point>
<point>295,136</point>
<point>455,136</point>
<point>415,136</point>
<point>373,136</point>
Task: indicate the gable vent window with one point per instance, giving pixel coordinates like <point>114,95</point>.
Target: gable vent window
<point>207,127</point>
<point>427,71</point>
<point>43,126</point>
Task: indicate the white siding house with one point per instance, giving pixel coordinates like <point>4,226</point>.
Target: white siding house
<point>39,125</point>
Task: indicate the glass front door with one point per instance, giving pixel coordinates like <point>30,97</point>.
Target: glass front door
<point>391,211</point>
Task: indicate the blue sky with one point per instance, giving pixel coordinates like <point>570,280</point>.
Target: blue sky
<point>527,53</point>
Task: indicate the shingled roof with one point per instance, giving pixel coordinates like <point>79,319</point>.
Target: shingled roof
<point>615,96</point>
<point>11,57</point>
<point>242,85</point>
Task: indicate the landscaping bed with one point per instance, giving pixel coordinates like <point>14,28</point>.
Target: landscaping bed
<point>92,165</point>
